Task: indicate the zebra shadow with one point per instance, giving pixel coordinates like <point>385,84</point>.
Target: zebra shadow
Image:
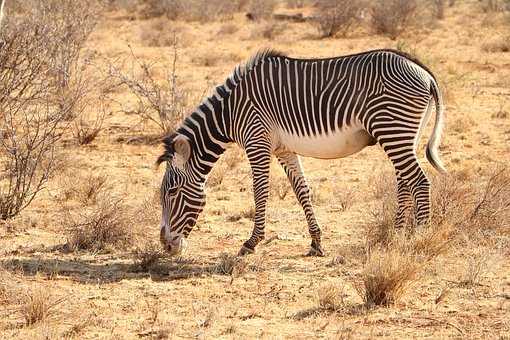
<point>107,269</point>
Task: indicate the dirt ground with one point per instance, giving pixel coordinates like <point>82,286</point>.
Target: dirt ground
<point>277,293</point>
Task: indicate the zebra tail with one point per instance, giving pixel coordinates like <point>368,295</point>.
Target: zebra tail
<point>435,139</point>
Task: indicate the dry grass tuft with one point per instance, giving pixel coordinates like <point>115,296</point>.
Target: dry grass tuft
<point>231,265</point>
<point>86,190</point>
<point>330,297</point>
<point>99,228</point>
<point>38,305</point>
<point>269,30</point>
<point>146,258</point>
<point>499,44</point>
<point>387,275</point>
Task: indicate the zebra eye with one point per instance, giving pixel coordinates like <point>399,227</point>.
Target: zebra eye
<point>172,191</point>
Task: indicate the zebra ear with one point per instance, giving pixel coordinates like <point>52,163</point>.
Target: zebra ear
<point>182,149</point>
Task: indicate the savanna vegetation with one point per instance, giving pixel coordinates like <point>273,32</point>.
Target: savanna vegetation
<point>88,89</point>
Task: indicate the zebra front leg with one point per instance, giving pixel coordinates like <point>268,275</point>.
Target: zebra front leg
<point>259,157</point>
<point>292,166</point>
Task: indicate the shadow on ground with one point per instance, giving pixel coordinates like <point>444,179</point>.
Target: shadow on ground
<point>101,269</point>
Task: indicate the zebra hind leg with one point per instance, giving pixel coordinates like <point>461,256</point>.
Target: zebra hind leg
<point>412,182</point>
<point>292,166</point>
<point>259,157</point>
<point>405,203</point>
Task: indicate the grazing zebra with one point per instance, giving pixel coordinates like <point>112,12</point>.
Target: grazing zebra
<point>322,108</point>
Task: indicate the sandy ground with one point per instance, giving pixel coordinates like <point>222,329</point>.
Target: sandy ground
<point>277,295</point>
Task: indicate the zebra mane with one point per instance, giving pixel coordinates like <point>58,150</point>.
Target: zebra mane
<point>168,154</point>
<point>255,59</point>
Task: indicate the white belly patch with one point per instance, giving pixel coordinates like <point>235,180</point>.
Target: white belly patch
<point>338,144</point>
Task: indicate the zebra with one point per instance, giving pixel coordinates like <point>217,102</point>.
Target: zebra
<point>274,105</point>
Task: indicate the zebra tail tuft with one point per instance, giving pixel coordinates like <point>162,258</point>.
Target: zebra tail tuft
<point>432,153</point>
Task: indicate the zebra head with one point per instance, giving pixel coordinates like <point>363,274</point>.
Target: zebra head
<point>182,194</point>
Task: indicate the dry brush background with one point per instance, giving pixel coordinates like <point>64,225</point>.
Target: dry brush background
<point>87,89</point>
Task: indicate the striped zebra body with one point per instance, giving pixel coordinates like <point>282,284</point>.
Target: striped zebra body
<point>322,108</point>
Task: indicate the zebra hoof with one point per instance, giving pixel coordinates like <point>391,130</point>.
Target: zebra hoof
<point>316,252</point>
<point>245,251</point>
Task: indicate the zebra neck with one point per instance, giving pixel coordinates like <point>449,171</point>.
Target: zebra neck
<point>205,128</point>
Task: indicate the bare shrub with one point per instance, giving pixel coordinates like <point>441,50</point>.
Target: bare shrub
<point>99,228</point>
<point>392,17</point>
<point>164,105</point>
<point>334,17</point>
<point>261,9</point>
<point>491,210</point>
<point>36,65</point>
<point>85,130</point>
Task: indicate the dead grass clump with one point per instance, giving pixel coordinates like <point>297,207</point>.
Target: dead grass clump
<point>387,275</point>
<point>495,45</point>
<point>231,265</point>
<point>37,305</point>
<point>85,190</point>
<point>296,3</point>
<point>147,257</point>
<point>192,10</point>
<point>392,17</point>
<point>248,213</point>
<point>489,6</point>
<point>268,30</point>
<point>227,29</point>
<point>158,33</point>
<point>99,228</point>
<point>330,297</point>
<point>261,9</point>
<point>206,60</point>
<point>334,17</point>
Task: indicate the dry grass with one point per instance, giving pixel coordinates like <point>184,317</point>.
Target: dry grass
<point>498,44</point>
<point>85,190</point>
<point>449,288</point>
<point>100,227</point>
<point>387,275</point>
<point>147,257</point>
<point>37,305</point>
<point>330,297</point>
<point>231,265</point>
<point>269,30</point>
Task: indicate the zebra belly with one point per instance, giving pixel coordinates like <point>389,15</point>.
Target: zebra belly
<point>337,144</point>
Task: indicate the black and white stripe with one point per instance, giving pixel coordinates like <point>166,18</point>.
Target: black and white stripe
<point>323,108</point>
